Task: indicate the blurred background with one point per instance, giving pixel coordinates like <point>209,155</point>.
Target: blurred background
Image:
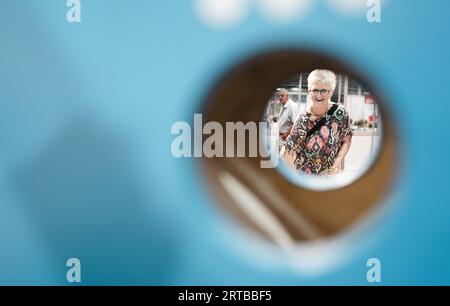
<point>85,164</point>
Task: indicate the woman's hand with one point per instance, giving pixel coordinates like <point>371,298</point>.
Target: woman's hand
<point>289,157</point>
<point>336,168</point>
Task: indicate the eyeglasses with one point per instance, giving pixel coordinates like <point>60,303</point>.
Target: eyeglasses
<point>321,91</point>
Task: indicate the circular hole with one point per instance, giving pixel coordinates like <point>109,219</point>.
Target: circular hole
<point>263,198</point>
<point>326,127</point>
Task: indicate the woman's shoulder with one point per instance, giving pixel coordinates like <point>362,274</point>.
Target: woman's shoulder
<point>339,105</point>
<point>304,111</point>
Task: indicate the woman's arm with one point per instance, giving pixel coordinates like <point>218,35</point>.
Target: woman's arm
<point>297,134</point>
<point>346,136</point>
<point>341,155</point>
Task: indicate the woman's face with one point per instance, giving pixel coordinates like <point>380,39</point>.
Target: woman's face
<point>320,93</point>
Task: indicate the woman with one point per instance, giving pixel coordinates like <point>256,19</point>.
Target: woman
<point>321,135</point>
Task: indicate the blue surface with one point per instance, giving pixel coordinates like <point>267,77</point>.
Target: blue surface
<point>85,164</point>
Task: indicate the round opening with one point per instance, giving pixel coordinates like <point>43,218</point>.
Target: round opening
<point>324,126</point>
<point>276,202</point>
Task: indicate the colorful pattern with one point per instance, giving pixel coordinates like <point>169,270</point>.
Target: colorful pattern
<point>317,154</point>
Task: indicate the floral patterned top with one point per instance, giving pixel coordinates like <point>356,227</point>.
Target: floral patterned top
<point>318,153</point>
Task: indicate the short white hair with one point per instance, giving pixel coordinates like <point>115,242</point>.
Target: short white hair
<point>283,91</point>
<point>322,75</point>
